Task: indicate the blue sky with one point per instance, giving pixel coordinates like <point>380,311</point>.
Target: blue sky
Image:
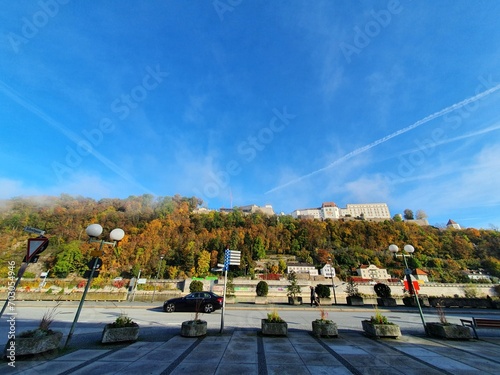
<point>288,103</point>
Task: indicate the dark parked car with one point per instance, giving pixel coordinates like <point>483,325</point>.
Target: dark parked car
<point>198,301</point>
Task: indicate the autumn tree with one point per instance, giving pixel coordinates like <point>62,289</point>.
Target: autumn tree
<point>203,263</point>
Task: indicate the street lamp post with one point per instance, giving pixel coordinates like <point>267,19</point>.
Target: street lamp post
<point>409,249</point>
<point>94,231</point>
<point>157,277</point>
<point>332,273</point>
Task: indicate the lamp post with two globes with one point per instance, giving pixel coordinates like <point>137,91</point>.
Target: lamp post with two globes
<point>409,249</point>
<point>94,231</point>
<point>157,277</point>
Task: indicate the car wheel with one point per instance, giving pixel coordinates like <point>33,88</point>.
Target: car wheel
<point>170,307</point>
<point>208,308</point>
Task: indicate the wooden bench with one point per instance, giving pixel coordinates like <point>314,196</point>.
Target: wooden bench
<point>480,323</point>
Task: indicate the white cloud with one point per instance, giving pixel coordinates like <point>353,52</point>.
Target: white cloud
<point>372,189</point>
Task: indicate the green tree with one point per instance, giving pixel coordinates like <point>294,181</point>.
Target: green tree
<point>293,288</point>
<point>262,288</point>
<point>282,266</point>
<point>323,291</point>
<point>258,249</point>
<point>408,214</point>
<point>69,260</point>
<point>196,286</point>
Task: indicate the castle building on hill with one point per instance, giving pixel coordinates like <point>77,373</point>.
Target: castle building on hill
<point>329,210</point>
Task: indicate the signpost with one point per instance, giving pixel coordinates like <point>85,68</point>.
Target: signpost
<point>231,258</point>
<point>34,248</point>
<point>416,286</point>
<point>34,231</point>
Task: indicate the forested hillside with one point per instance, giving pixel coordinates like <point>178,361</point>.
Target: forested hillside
<point>193,243</point>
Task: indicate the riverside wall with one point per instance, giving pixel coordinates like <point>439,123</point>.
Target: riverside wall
<point>244,291</point>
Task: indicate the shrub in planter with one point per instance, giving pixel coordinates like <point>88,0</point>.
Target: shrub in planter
<point>383,292</point>
<point>324,326</point>
<point>121,330</point>
<point>274,325</point>
<point>323,291</point>
<point>195,327</point>
<point>293,289</point>
<point>354,298</point>
<point>446,330</point>
<point>262,289</point>
<point>379,326</point>
<point>196,286</point>
<point>39,340</point>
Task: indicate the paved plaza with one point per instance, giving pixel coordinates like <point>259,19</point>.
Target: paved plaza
<point>245,351</point>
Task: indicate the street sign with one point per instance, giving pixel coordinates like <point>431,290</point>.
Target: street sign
<point>97,263</point>
<point>34,230</point>
<point>36,246</point>
<point>97,253</point>
<point>232,258</point>
<point>416,286</point>
<point>33,259</point>
<point>86,274</point>
<point>408,271</point>
<point>142,281</point>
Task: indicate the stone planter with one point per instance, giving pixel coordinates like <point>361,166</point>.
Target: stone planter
<point>295,300</point>
<point>355,301</point>
<point>381,330</point>
<point>410,301</point>
<point>112,334</point>
<point>274,328</point>
<point>460,302</point>
<point>386,302</point>
<point>325,301</point>
<point>448,331</point>
<point>194,328</point>
<point>260,300</point>
<point>33,345</point>
<point>322,328</point>
<point>230,299</point>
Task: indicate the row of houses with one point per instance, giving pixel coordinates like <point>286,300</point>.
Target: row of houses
<point>364,274</point>
<point>371,273</point>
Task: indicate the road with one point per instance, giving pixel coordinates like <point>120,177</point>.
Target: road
<point>151,316</point>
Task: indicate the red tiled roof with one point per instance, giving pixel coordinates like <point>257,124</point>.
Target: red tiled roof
<point>359,279</point>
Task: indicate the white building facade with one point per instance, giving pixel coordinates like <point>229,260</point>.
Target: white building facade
<point>327,271</point>
<point>330,210</point>
<point>373,272</point>
<point>302,268</point>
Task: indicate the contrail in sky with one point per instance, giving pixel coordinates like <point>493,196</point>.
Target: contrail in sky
<point>72,136</point>
<point>390,136</point>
